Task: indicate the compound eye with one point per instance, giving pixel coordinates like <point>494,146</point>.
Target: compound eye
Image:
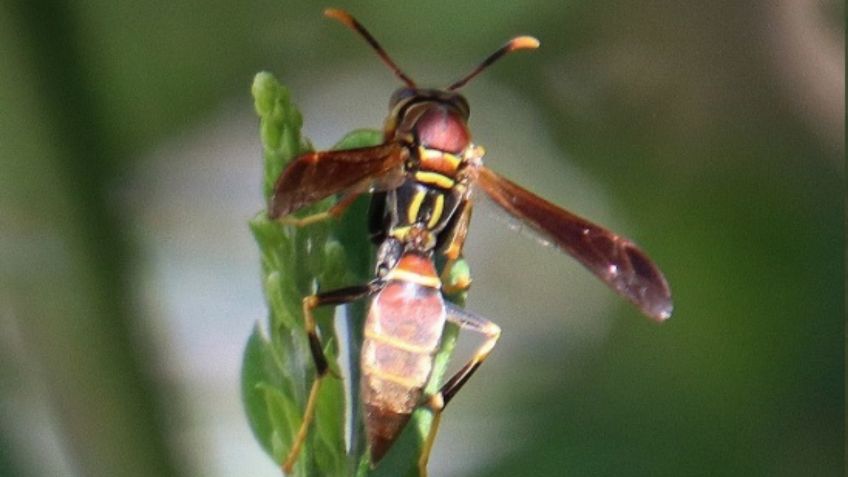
<point>460,103</point>
<point>400,95</point>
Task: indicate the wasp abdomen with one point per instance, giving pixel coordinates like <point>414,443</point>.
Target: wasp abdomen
<point>402,334</point>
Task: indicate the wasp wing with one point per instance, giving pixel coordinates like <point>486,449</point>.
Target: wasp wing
<point>617,261</point>
<point>316,175</point>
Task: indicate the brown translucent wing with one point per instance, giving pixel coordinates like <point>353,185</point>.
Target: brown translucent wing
<point>614,259</point>
<point>316,175</point>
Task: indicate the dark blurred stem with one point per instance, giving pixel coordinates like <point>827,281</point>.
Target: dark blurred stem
<point>80,331</point>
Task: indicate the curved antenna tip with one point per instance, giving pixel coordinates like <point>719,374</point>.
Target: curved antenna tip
<point>517,43</point>
<point>339,15</point>
<point>524,43</point>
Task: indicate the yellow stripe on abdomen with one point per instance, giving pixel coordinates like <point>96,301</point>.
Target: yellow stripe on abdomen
<point>430,281</point>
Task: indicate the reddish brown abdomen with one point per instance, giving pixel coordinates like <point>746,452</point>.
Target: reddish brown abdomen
<point>403,330</point>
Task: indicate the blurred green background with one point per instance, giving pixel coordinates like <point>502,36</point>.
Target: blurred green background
<point>712,133</point>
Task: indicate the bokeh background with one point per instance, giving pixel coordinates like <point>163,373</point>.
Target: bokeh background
<point>712,133</point>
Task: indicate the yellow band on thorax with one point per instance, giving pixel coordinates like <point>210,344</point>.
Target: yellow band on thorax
<point>434,178</point>
<point>436,213</point>
<point>434,154</point>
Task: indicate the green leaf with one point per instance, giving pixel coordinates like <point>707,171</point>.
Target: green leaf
<point>254,372</point>
<point>360,138</point>
<point>279,125</point>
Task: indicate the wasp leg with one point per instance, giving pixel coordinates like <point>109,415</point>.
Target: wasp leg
<point>455,276</point>
<point>458,230</point>
<point>438,401</point>
<point>456,279</point>
<point>333,212</point>
<point>322,368</point>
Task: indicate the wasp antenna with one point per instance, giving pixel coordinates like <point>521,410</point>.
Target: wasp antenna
<point>350,22</point>
<point>517,43</point>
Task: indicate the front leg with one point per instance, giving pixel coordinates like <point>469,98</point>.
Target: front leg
<point>322,368</point>
<point>333,212</point>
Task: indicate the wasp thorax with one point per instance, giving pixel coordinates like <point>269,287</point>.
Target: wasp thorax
<point>418,238</point>
<point>442,128</point>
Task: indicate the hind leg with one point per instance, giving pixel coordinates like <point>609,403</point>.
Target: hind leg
<point>438,401</point>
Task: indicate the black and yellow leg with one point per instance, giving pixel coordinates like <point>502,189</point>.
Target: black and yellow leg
<point>322,368</point>
<point>457,230</point>
<point>456,276</point>
<point>438,401</point>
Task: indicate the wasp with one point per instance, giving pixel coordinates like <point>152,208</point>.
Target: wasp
<point>421,180</point>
